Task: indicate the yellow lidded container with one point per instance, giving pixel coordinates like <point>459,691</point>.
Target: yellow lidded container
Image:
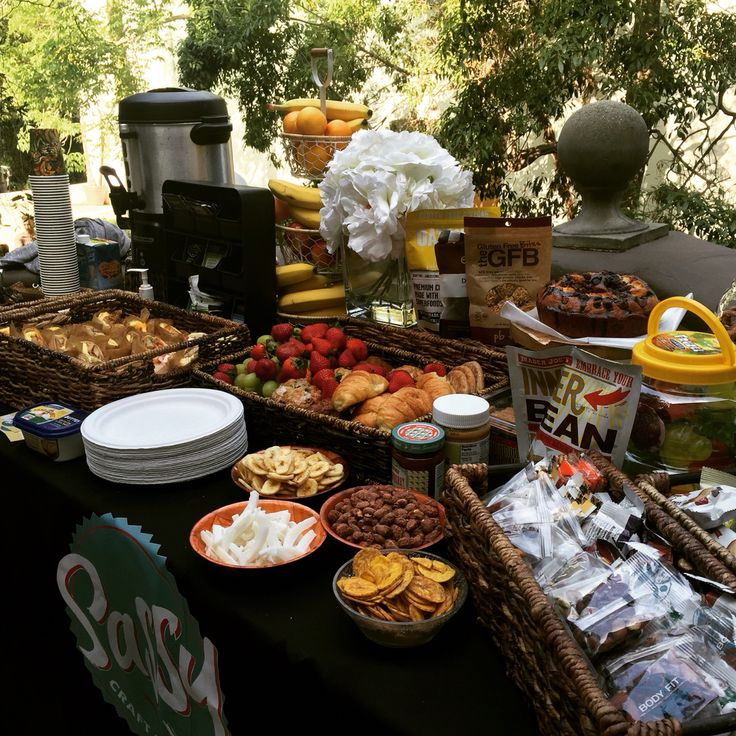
<point>686,417</point>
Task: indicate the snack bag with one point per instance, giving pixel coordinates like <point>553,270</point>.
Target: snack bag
<point>450,253</point>
<point>677,677</point>
<point>507,259</point>
<point>588,402</point>
<point>422,229</point>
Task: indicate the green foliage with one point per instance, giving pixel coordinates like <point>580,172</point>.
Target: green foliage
<point>58,58</point>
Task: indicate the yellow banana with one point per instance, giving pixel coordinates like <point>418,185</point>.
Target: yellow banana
<point>308,218</point>
<point>339,310</point>
<point>335,109</point>
<point>296,194</point>
<point>317,281</point>
<point>293,274</point>
<point>301,302</point>
<point>357,123</point>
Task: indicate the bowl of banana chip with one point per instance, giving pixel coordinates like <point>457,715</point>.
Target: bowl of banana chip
<point>290,472</point>
<point>399,597</point>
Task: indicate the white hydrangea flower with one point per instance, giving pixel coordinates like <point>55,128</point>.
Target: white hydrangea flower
<point>380,176</point>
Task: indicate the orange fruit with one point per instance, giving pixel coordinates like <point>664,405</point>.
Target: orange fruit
<point>338,128</point>
<point>281,209</point>
<point>289,122</point>
<point>311,121</point>
<point>317,156</point>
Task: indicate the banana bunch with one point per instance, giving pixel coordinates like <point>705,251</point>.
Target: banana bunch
<point>303,203</point>
<point>350,112</point>
<point>301,291</point>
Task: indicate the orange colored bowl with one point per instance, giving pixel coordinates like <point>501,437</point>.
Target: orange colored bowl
<point>329,506</point>
<point>333,457</point>
<point>224,517</point>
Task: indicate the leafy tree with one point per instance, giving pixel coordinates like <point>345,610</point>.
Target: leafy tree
<point>59,59</point>
<point>511,72</point>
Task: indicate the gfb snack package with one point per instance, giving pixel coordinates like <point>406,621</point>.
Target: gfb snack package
<point>423,228</point>
<point>506,259</point>
<point>568,399</point>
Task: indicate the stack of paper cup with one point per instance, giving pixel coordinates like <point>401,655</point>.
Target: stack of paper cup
<point>57,248</point>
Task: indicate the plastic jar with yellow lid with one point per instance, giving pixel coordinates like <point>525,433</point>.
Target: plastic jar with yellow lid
<point>686,417</point>
<point>466,421</point>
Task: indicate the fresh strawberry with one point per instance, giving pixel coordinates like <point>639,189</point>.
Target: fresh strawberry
<point>265,369</point>
<point>437,368</point>
<point>336,338</point>
<point>318,362</point>
<point>346,359</point>
<point>290,349</point>
<point>308,347</point>
<point>293,368</point>
<point>227,368</point>
<point>222,376</point>
<point>258,351</point>
<point>322,346</point>
<point>282,331</point>
<point>328,388</point>
<point>318,329</point>
<point>398,380</point>
<point>370,368</point>
<point>357,347</point>
<point>320,376</point>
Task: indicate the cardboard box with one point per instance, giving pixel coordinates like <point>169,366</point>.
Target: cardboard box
<point>100,264</point>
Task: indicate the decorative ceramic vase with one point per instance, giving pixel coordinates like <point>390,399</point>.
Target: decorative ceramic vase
<point>380,291</point>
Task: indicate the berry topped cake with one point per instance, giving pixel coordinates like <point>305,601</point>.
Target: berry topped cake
<point>596,304</point>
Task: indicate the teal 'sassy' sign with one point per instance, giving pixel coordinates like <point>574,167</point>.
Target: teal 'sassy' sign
<point>134,628</point>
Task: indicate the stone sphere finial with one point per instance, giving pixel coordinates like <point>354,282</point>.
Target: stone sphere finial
<point>601,148</point>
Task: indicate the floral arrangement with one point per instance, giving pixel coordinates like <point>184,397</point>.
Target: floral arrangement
<point>380,176</point>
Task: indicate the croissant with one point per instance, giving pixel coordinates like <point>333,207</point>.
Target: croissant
<point>356,387</point>
<point>365,413</point>
<point>406,404</point>
<point>434,385</point>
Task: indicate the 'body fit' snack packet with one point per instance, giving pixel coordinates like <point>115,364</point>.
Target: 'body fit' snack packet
<point>569,399</point>
<point>423,228</point>
<point>506,259</point>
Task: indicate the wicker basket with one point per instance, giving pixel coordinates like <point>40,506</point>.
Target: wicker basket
<point>541,656</point>
<point>654,486</point>
<point>302,245</point>
<point>309,155</point>
<point>31,373</point>
<point>367,450</point>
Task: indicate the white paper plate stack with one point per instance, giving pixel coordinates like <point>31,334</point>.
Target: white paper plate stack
<point>166,436</point>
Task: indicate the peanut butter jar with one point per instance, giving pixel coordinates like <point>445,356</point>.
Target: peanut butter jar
<point>466,421</point>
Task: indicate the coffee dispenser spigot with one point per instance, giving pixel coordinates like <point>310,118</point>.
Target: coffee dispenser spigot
<point>120,198</point>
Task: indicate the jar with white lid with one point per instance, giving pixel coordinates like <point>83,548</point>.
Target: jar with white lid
<point>466,421</point>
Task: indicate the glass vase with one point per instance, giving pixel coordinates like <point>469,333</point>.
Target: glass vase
<point>380,291</point>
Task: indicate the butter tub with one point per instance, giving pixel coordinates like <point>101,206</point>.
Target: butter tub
<point>52,429</point>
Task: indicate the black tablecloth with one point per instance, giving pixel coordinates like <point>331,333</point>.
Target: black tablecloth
<point>285,648</point>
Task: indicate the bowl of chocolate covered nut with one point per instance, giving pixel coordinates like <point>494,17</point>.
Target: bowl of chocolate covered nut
<point>399,597</point>
<point>383,516</point>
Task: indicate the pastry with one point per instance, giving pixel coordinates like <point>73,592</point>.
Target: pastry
<point>356,387</point>
<point>406,404</point>
<point>596,304</point>
<point>434,385</point>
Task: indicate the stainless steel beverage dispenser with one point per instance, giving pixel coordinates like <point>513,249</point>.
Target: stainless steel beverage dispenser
<point>167,133</point>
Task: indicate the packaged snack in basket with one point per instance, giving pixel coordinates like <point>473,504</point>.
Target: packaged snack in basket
<point>567,582</point>
<point>714,503</point>
<point>639,591</point>
<point>506,259</point>
<point>718,624</point>
<point>569,399</point>
<point>423,228</point>
<point>679,677</point>
<point>536,518</point>
<point>616,523</point>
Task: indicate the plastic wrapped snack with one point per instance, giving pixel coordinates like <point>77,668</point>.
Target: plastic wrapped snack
<point>639,591</point>
<point>678,678</point>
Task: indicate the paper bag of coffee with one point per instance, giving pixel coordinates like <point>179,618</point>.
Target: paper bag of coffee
<point>506,259</point>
